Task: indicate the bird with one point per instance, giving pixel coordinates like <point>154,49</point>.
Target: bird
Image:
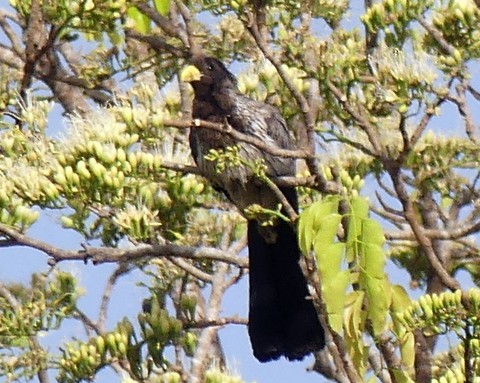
<point>282,320</point>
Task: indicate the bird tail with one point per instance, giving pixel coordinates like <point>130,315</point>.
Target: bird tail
<point>282,321</point>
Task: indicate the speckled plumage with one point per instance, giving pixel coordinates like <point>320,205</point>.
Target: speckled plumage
<point>282,322</point>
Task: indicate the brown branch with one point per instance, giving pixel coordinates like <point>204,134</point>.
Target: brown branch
<point>437,35</point>
<point>209,335</point>
<point>39,60</point>
<point>120,271</point>
<point>429,113</point>
<point>360,118</point>
<point>354,144</point>
<point>227,129</point>
<point>423,358</point>
<point>90,326</point>
<point>468,357</point>
<point>423,240</point>
<point>465,112</point>
<point>378,366</point>
<point>182,168</point>
<point>10,58</point>
<point>10,33</point>
<point>458,231</point>
<point>35,39</point>
<point>475,93</point>
<point>219,322</point>
<point>315,181</point>
<point>390,210</point>
<point>190,33</point>
<point>392,218</point>
<point>283,200</point>
<point>157,43</point>
<point>162,22</point>
<point>307,112</point>
<point>191,269</point>
<point>100,255</point>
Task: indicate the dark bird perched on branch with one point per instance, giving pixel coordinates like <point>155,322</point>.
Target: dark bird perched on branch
<point>282,320</point>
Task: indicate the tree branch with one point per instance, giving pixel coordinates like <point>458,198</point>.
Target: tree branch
<point>100,255</point>
<point>423,240</point>
<point>227,129</point>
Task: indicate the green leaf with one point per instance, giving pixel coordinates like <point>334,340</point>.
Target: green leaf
<point>329,259</point>
<point>334,297</point>
<point>365,244</point>
<point>378,292</point>
<point>359,207</point>
<point>402,377</point>
<point>334,281</point>
<point>400,299</point>
<point>354,322</point>
<point>372,260</point>
<point>162,6</point>
<point>327,229</point>
<point>305,230</point>
<point>354,315</point>
<point>400,302</point>
<point>141,21</point>
<point>358,213</point>
<point>407,349</point>
<point>314,219</point>
<point>372,232</point>
<point>326,207</point>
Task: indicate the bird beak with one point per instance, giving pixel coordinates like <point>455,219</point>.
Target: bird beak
<point>190,74</point>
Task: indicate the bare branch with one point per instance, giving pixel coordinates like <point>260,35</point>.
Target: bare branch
<point>429,113</point>
<point>9,58</point>
<point>120,271</point>
<point>191,269</point>
<point>209,335</point>
<point>186,16</point>
<point>157,43</point>
<point>423,240</point>
<point>359,117</point>
<point>10,33</point>
<point>100,255</point>
<point>227,129</point>
<point>163,22</point>
<point>436,34</point>
<point>219,322</point>
<point>465,112</point>
<point>259,35</point>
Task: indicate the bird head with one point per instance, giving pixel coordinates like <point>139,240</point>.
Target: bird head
<point>208,71</point>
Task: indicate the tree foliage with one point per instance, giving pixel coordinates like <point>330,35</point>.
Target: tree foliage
<point>382,98</point>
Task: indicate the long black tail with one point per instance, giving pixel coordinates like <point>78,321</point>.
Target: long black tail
<point>281,320</point>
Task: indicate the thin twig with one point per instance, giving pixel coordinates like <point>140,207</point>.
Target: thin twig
<point>360,118</point>
<point>185,12</point>
<point>121,270</point>
<point>191,269</point>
